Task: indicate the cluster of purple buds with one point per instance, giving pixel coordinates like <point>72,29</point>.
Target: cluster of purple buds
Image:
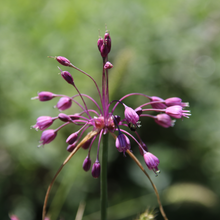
<point>102,120</point>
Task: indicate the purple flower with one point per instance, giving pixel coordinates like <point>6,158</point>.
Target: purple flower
<point>177,111</point>
<point>164,120</point>
<point>43,122</point>
<point>64,103</point>
<point>152,162</point>
<point>131,115</point>
<point>87,164</point>
<point>47,136</point>
<point>176,101</point>
<point>96,169</point>
<point>122,143</point>
<point>103,119</point>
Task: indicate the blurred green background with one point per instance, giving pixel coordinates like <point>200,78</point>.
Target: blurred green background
<point>160,48</point>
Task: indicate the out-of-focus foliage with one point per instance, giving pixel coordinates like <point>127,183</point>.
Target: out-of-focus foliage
<point>163,48</point>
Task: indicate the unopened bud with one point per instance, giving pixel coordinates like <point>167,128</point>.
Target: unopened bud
<point>63,60</point>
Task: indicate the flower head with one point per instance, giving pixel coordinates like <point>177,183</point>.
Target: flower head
<point>102,119</point>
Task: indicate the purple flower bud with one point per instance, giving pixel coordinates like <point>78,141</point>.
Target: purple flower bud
<point>43,122</point>
<point>74,117</point>
<point>100,43</point>
<point>164,120</point>
<point>122,143</point>
<point>47,136</point>
<point>87,164</point>
<point>45,96</point>
<point>64,117</point>
<point>64,103</point>
<point>130,115</point>
<point>151,162</point>
<point>67,76</point>
<point>71,147</point>
<point>63,60</point>
<point>139,111</point>
<point>96,169</point>
<point>157,105</point>
<point>72,138</point>
<point>176,111</point>
<point>176,101</point>
<point>108,65</point>
<point>86,144</point>
<point>107,41</point>
<point>104,50</point>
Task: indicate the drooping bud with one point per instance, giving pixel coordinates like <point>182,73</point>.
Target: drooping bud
<point>176,111</point>
<point>47,136</point>
<point>131,115</point>
<point>63,117</point>
<point>87,164</point>
<point>108,65</point>
<point>67,76</point>
<point>122,143</point>
<point>108,41</point>
<point>64,103</point>
<point>44,96</point>
<point>72,138</point>
<point>164,120</point>
<point>158,105</point>
<point>43,122</point>
<point>151,162</point>
<point>63,60</point>
<point>96,169</point>
<point>86,144</point>
<point>176,101</point>
<point>71,147</point>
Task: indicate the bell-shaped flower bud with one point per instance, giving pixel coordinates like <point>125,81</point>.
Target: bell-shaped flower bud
<point>87,164</point>
<point>86,144</point>
<point>67,76</point>
<point>71,147</point>
<point>108,41</point>
<point>45,96</point>
<point>176,111</point>
<point>122,143</point>
<point>152,162</point>
<point>63,117</point>
<point>72,138</point>
<point>108,65</point>
<point>43,122</point>
<point>96,169</point>
<point>159,102</point>
<point>176,101</point>
<point>63,60</point>
<point>64,103</point>
<point>100,43</point>
<point>131,115</point>
<point>164,120</point>
<point>47,136</point>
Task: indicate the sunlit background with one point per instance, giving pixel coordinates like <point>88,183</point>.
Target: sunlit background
<point>161,48</point>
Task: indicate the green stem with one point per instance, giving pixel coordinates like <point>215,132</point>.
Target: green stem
<point>104,196</point>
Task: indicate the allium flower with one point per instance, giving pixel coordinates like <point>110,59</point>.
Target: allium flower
<point>103,120</point>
